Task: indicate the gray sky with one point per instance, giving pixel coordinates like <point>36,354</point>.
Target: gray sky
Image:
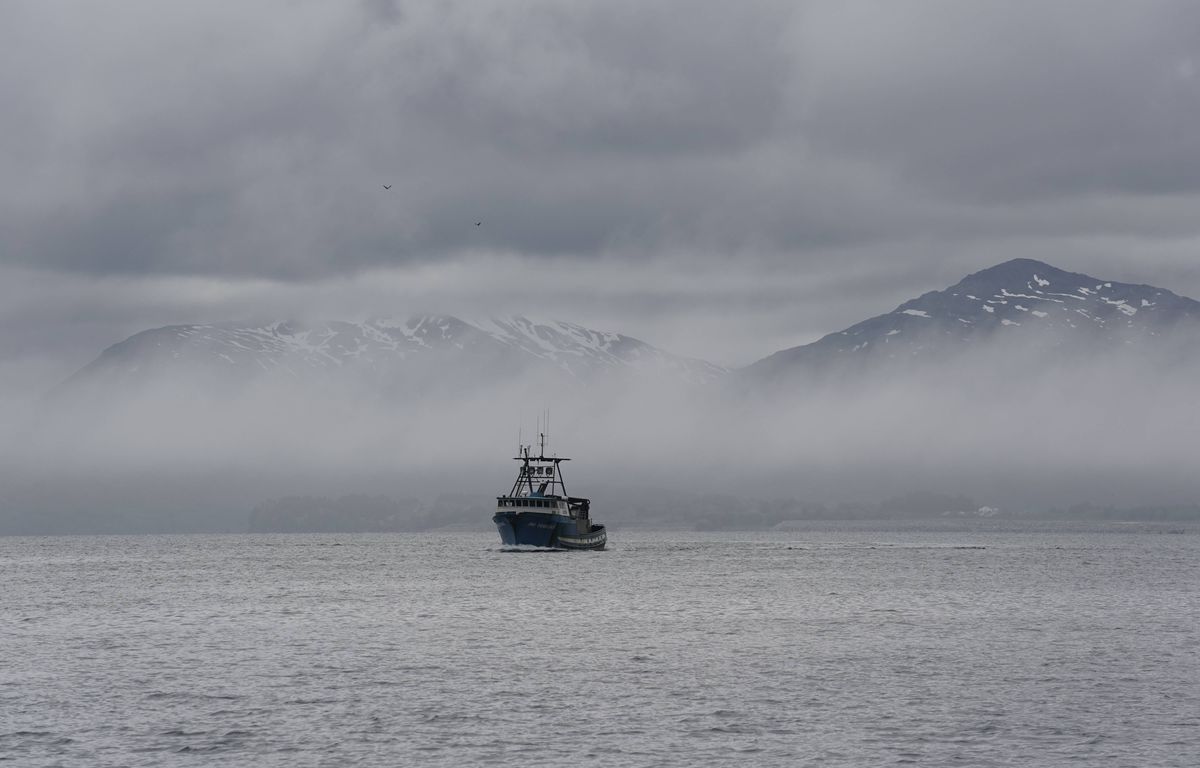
<point>721,179</point>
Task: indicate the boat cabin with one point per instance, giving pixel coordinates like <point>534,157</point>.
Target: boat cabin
<point>527,502</point>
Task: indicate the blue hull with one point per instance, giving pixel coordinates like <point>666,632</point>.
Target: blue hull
<point>542,529</point>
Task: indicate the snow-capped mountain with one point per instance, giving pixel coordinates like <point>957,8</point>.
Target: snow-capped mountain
<point>1024,301</point>
<point>424,349</point>
<point>1028,303</point>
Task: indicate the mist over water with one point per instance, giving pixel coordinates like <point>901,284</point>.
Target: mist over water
<point>1008,426</point>
<point>818,647</point>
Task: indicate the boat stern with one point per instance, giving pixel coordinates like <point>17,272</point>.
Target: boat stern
<point>595,538</point>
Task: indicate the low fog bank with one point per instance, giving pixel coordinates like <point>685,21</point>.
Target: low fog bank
<point>1028,434</point>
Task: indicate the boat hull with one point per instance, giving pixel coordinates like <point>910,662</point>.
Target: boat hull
<point>543,529</point>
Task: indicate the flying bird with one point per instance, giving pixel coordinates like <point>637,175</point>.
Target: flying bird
<point>478,223</point>
<point>387,186</point>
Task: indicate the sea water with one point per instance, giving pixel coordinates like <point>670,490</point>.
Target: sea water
<point>813,647</point>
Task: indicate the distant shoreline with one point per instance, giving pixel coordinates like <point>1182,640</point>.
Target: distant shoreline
<point>913,525</point>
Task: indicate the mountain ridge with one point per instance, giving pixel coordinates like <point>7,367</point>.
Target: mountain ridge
<point>1064,309</point>
<point>386,346</point>
<point>1023,300</point>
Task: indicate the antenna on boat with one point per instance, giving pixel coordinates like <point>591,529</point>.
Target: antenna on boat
<point>543,431</point>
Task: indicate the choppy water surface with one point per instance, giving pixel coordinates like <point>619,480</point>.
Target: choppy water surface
<point>815,647</point>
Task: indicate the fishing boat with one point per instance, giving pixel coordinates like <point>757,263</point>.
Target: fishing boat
<point>538,512</point>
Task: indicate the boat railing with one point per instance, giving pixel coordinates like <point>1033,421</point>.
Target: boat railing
<point>530,502</point>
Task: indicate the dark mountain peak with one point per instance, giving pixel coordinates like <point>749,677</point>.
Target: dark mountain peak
<point>1025,301</point>
<point>1024,273</point>
<point>1018,268</point>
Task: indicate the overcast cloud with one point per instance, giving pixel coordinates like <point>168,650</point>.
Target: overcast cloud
<point>721,179</point>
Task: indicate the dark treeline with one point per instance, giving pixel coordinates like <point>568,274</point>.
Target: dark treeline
<point>1089,511</point>
<point>363,513</point>
<point>708,512</point>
